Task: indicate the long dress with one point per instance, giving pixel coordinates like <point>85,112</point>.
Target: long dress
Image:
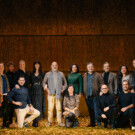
<point>37,94</point>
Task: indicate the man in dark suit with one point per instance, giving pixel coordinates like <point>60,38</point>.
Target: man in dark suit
<point>110,79</point>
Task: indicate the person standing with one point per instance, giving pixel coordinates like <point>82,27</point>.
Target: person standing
<point>56,84</point>
<point>22,71</point>
<point>110,79</point>
<point>123,75</point>
<point>37,94</point>
<point>75,78</point>
<point>92,82</point>
<point>10,75</point>
<point>4,89</point>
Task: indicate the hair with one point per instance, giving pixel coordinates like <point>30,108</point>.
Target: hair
<point>90,63</point>
<point>10,63</point>
<point>125,81</point>
<point>21,61</point>
<point>67,93</point>
<point>40,67</point>
<point>103,84</point>
<point>21,76</point>
<point>76,67</point>
<point>120,75</point>
<point>106,63</point>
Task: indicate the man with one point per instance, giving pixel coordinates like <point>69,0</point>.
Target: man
<point>23,106</point>
<point>110,79</point>
<point>92,82</point>
<point>126,105</point>
<point>10,75</point>
<point>22,71</point>
<point>134,73</point>
<point>56,84</point>
<point>4,89</point>
<point>107,107</point>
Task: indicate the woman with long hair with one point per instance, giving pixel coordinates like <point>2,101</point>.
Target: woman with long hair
<point>123,74</point>
<point>75,78</point>
<point>37,93</point>
<point>71,107</point>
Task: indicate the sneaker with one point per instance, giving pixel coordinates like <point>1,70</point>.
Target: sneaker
<point>61,125</point>
<point>25,124</point>
<point>48,124</point>
<point>133,128</point>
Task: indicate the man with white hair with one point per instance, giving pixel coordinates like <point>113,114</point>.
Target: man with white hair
<point>56,84</point>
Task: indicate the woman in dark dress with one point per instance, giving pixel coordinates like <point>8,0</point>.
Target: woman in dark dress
<point>37,93</point>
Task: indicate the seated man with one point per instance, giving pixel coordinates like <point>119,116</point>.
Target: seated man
<point>107,107</point>
<point>22,104</point>
<point>126,105</point>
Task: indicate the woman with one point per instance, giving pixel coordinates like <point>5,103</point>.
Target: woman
<point>123,74</point>
<point>71,107</point>
<point>75,79</point>
<point>4,89</point>
<point>37,92</point>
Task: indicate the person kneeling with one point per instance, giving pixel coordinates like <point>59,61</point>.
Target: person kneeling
<point>107,107</point>
<point>126,106</point>
<point>23,106</point>
<point>71,105</point>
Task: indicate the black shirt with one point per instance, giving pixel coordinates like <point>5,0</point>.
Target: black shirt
<point>106,100</point>
<point>106,76</point>
<point>19,95</point>
<point>134,78</point>
<point>26,76</point>
<point>126,99</point>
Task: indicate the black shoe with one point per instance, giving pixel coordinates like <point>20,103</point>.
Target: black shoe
<point>25,124</point>
<point>35,124</point>
<point>91,125</point>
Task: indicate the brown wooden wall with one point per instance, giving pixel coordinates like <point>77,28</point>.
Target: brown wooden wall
<point>68,31</point>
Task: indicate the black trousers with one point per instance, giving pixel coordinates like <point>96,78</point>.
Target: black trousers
<point>111,115</point>
<point>69,120</point>
<point>5,111</point>
<point>123,119</point>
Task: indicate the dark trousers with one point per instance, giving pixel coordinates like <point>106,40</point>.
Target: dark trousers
<point>93,112</point>
<point>11,112</point>
<point>111,115</point>
<point>125,116</point>
<point>69,120</point>
<point>5,111</point>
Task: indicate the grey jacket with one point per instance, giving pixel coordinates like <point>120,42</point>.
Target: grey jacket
<point>61,81</point>
<point>112,83</point>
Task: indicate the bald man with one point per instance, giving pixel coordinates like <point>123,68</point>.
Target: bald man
<point>56,84</point>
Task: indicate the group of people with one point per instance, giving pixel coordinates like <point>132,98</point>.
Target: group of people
<point>109,97</point>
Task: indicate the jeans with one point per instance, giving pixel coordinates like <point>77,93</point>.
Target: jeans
<point>92,107</point>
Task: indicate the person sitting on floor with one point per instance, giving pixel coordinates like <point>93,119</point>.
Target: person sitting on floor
<point>22,104</point>
<point>107,107</point>
<point>71,107</point>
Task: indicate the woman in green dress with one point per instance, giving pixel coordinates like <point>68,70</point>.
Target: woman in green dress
<point>75,78</point>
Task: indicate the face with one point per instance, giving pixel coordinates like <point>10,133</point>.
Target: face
<point>134,63</point>
<point>106,67</point>
<point>1,67</point>
<point>74,69</point>
<point>22,65</point>
<point>11,68</point>
<point>37,66</point>
<point>104,89</point>
<point>90,68</point>
<point>70,90</point>
<point>21,81</point>
<point>54,66</point>
<point>123,70</point>
<point>125,86</point>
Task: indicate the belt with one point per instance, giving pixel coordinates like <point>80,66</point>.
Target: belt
<point>37,83</point>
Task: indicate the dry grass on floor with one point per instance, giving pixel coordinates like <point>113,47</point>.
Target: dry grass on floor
<point>55,130</point>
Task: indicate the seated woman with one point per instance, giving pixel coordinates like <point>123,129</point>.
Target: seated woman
<point>71,107</point>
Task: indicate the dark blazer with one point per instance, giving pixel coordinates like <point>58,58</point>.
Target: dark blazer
<point>96,84</point>
<point>112,83</point>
